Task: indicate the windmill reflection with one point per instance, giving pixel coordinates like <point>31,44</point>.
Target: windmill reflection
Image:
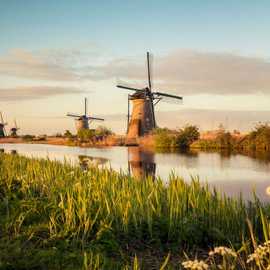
<point>141,162</point>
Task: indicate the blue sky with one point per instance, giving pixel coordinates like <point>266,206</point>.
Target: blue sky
<point>75,37</point>
<point>129,26</point>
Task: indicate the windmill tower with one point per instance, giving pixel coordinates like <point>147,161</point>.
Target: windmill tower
<point>142,120</point>
<point>82,121</point>
<point>2,126</point>
<point>14,130</point>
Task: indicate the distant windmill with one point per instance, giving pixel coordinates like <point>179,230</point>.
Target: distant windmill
<point>2,126</point>
<point>82,121</point>
<point>142,120</point>
<point>14,130</point>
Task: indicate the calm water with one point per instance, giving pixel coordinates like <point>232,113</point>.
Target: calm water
<point>230,173</point>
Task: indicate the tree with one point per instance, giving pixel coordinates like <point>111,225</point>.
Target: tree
<point>86,135</point>
<point>68,134</point>
<point>103,131</point>
<point>187,136</point>
<point>163,138</point>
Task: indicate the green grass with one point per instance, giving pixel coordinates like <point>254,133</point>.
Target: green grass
<point>55,216</point>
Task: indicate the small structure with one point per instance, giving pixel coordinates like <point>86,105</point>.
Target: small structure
<point>142,120</point>
<point>2,126</point>
<point>82,121</point>
<point>14,130</point>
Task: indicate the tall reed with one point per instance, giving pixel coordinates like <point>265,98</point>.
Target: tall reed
<point>54,207</point>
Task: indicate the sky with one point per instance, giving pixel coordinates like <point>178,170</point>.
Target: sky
<point>213,53</point>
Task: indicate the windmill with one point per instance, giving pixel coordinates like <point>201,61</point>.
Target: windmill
<point>2,126</point>
<point>82,121</point>
<point>14,129</point>
<point>142,119</point>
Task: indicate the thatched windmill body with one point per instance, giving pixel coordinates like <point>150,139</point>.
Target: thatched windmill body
<point>82,121</point>
<point>14,130</point>
<point>2,126</point>
<point>142,119</point>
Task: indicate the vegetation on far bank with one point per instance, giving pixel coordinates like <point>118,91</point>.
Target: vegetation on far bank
<point>163,138</point>
<point>182,138</point>
<point>102,136</point>
<point>258,139</point>
<point>57,216</point>
<point>189,137</point>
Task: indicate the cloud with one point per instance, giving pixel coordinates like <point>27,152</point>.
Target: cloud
<point>184,72</point>
<point>210,119</point>
<point>191,72</point>
<point>23,64</point>
<point>28,93</point>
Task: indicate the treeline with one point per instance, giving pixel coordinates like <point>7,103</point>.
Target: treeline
<point>182,138</point>
<point>189,137</point>
<point>257,139</point>
<point>86,135</point>
<point>83,135</point>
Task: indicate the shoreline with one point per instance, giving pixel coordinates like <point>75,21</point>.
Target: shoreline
<point>60,141</point>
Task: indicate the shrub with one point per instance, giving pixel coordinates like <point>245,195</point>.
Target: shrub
<point>183,138</point>
<point>85,135</point>
<point>164,138</point>
<point>68,134</point>
<point>187,136</point>
<point>103,131</point>
<point>258,139</point>
<point>28,137</point>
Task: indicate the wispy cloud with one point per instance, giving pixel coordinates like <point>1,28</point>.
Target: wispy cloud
<point>23,64</point>
<point>28,93</point>
<point>190,72</point>
<point>184,71</point>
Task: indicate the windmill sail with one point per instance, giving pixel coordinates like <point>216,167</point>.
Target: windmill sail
<point>95,118</point>
<point>73,115</point>
<point>168,98</point>
<point>129,88</point>
<point>148,71</point>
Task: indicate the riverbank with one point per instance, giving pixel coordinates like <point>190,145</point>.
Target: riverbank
<point>115,140</point>
<point>55,215</point>
<point>162,138</point>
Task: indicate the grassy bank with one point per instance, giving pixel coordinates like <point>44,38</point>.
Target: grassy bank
<point>56,216</point>
<point>256,140</point>
<point>189,137</point>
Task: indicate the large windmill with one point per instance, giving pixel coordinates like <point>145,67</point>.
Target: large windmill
<point>82,121</point>
<point>14,130</point>
<point>2,126</point>
<point>142,119</point>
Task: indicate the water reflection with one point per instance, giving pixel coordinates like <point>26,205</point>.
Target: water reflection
<point>87,161</point>
<point>141,162</point>
<point>262,156</point>
<point>229,171</point>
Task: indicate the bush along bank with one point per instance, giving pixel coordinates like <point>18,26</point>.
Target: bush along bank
<point>182,138</point>
<point>256,140</point>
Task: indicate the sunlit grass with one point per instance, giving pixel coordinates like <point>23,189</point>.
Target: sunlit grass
<point>58,215</point>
